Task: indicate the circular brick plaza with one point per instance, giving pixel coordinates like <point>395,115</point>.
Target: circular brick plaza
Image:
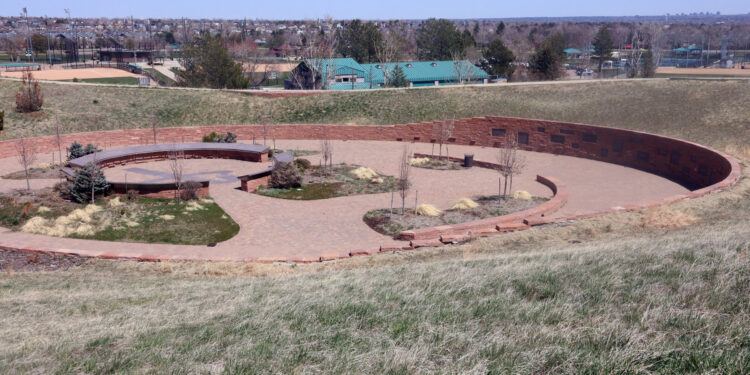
<point>586,181</point>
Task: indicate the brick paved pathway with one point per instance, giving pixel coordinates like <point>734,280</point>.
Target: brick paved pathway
<point>276,228</point>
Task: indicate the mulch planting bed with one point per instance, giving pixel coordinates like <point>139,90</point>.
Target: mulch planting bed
<point>337,181</point>
<point>439,164</point>
<point>382,221</point>
<point>16,261</point>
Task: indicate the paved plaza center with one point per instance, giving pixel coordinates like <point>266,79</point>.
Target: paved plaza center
<point>272,228</point>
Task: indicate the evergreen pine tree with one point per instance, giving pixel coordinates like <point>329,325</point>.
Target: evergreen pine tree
<point>398,77</point>
<point>90,149</point>
<point>603,45</point>
<point>85,177</point>
<point>648,70</point>
<point>75,151</point>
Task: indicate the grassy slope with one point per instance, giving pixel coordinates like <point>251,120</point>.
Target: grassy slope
<point>712,112</point>
<point>604,295</point>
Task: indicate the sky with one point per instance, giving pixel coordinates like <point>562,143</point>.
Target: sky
<point>366,9</point>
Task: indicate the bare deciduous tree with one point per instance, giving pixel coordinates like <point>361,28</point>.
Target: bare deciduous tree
<point>387,53</point>
<point>326,152</point>
<point>154,122</point>
<point>463,70</point>
<point>318,58</point>
<point>176,165</point>
<point>404,182</point>
<point>266,130</point>
<point>59,141</point>
<point>443,131</point>
<point>253,61</point>
<point>93,185</point>
<point>510,163</point>
<point>26,154</point>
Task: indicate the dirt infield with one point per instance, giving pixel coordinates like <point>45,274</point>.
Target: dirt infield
<point>69,74</point>
<point>704,71</point>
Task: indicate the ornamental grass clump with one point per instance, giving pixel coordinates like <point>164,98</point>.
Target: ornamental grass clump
<point>464,204</point>
<point>427,210</point>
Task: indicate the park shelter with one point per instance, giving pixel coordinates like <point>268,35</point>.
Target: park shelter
<point>347,74</point>
<point>572,52</point>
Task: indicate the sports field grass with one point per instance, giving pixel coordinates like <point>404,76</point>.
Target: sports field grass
<point>629,293</point>
<point>112,80</point>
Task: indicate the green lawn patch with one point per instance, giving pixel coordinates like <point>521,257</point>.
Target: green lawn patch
<point>305,192</point>
<point>110,81</point>
<point>202,226</point>
<point>161,76</point>
<point>148,220</point>
<point>338,181</point>
<point>297,153</point>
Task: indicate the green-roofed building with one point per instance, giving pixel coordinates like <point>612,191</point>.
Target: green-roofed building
<point>347,74</point>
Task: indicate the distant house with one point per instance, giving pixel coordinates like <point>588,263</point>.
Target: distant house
<point>347,74</point>
<point>284,50</point>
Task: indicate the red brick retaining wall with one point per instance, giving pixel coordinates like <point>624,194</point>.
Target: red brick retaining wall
<point>155,190</point>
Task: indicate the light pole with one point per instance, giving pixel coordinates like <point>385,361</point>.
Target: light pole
<point>46,26</point>
<point>30,47</point>
<point>75,37</point>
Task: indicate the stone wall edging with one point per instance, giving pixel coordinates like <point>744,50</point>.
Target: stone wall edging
<point>470,131</point>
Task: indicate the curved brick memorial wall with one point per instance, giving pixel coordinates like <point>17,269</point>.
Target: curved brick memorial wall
<point>692,165</point>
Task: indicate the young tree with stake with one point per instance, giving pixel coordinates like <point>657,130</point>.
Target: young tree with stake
<point>404,184</point>
<point>510,163</point>
<point>176,165</point>
<point>443,131</point>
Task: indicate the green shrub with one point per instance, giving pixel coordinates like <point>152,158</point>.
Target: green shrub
<point>90,174</point>
<point>76,150</point>
<point>2,120</point>
<point>190,190</point>
<point>302,164</point>
<point>210,137</point>
<point>285,176</point>
<point>219,138</point>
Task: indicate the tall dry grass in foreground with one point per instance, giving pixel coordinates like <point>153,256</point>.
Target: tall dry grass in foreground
<point>655,292</point>
<point>672,304</point>
<point>608,295</point>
